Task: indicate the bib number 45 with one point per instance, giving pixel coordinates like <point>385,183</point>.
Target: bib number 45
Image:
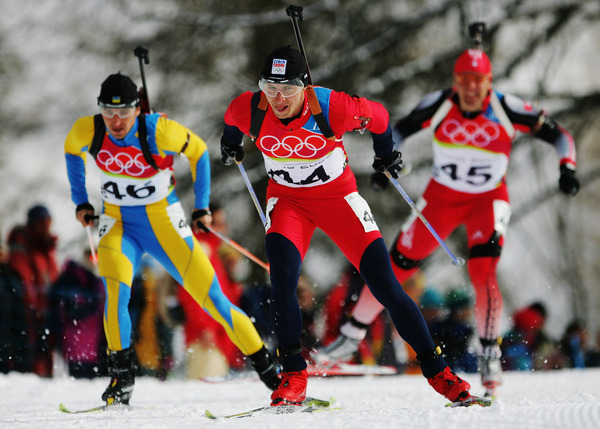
<point>476,176</point>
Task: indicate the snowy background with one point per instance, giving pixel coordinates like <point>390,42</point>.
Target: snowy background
<point>55,54</point>
<point>550,400</point>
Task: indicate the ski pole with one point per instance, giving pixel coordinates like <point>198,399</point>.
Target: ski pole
<point>88,229</point>
<point>295,12</point>
<point>252,193</point>
<point>476,33</point>
<point>143,58</point>
<point>459,262</point>
<point>239,248</point>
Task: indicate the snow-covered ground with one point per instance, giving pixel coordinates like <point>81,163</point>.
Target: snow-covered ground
<point>548,400</point>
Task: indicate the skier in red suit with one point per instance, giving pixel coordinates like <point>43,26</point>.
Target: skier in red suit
<point>474,127</point>
<point>312,186</point>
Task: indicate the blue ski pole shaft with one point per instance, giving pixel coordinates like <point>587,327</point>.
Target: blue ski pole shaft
<point>456,261</point>
<point>252,193</point>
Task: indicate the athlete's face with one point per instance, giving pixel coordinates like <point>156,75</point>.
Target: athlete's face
<point>286,107</point>
<point>117,126</point>
<point>472,88</point>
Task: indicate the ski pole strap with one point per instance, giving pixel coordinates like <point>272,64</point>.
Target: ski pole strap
<point>430,355</point>
<point>315,109</point>
<point>283,352</point>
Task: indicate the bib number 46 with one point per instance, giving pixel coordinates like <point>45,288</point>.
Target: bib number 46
<point>131,191</point>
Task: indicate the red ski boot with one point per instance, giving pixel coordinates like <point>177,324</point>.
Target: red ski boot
<point>291,390</point>
<point>450,385</point>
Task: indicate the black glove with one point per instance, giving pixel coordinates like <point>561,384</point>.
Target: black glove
<point>379,182</point>
<point>568,183</point>
<point>86,206</point>
<point>392,162</point>
<point>197,215</point>
<point>230,151</point>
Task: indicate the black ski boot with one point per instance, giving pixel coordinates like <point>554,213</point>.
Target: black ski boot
<point>121,366</point>
<point>266,367</point>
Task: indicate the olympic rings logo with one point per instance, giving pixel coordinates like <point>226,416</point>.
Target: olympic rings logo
<point>292,145</point>
<point>123,163</point>
<point>480,135</point>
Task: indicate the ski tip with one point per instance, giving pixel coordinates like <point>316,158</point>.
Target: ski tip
<point>210,415</point>
<point>473,400</point>
<point>62,408</point>
<point>318,403</point>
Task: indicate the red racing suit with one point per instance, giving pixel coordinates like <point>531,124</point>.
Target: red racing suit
<point>311,186</point>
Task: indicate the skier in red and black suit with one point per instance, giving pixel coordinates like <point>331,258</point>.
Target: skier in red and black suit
<point>311,186</point>
<point>474,129</point>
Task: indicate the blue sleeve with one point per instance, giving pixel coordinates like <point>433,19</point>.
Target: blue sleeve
<point>202,184</point>
<point>383,144</point>
<point>76,174</point>
<point>232,134</point>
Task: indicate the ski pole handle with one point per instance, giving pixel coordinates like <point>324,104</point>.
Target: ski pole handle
<point>295,12</point>
<point>252,193</point>
<point>143,58</point>
<point>459,262</point>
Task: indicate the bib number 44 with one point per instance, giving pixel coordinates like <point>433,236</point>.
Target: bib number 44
<point>318,175</point>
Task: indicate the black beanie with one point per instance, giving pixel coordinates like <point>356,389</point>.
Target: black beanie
<point>284,64</point>
<point>118,90</point>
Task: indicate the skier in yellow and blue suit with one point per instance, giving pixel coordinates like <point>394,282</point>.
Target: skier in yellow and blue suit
<point>141,213</point>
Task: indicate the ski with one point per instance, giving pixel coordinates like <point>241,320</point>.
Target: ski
<point>349,369</point>
<point>473,400</point>
<point>309,405</point>
<point>97,409</point>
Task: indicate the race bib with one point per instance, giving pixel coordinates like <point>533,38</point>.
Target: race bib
<point>306,173</point>
<point>467,169</point>
<point>502,213</point>
<point>270,206</point>
<point>362,211</point>
<point>129,191</point>
<point>177,217</point>
<point>105,223</point>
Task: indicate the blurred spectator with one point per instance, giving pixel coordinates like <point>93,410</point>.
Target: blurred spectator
<point>377,348</point>
<point>32,254</point>
<point>75,319</point>
<point>16,353</point>
<point>210,352</point>
<point>431,304</point>
<point>454,332</point>
<point>308,308</point>
<point>573,344</point>
<point>255,301</point>
<point>338,303</point>
<point>151,319</point>
<point>593,357</point>
<point>405,355</point>
<point>547,355</point>
<point>526,346</point>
